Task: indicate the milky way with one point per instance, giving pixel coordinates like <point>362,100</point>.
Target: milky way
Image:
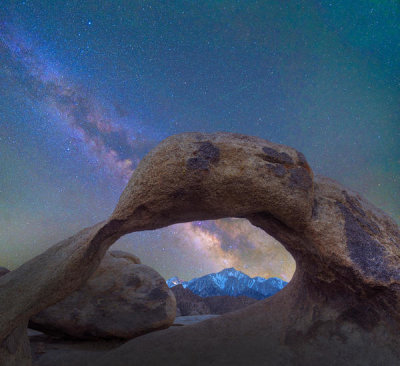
<point>236,243</point>
<point>118,149</point>
<point>86,91</point>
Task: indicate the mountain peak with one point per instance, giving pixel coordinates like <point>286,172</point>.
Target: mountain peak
<point>173,281</point>
<point>228,270</point>
<point>231,282</point>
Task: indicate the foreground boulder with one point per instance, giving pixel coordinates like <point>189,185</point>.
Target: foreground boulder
<point>122,299</point>
<point>342,305</point>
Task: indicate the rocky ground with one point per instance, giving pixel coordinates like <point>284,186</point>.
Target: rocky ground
<point>57,351</point>
<point>54,351</point>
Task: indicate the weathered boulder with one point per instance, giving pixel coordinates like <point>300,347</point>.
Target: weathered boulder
<point>122,299</point>
<point>342,305</point>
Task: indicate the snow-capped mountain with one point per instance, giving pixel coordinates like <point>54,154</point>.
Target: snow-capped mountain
<point>173,281</point>
<point>231,282</point>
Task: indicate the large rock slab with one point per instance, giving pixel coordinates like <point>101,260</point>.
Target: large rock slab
<point>342,305</point>
<point>122,299</point>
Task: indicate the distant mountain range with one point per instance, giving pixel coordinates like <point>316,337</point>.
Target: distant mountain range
<point>231,282</point>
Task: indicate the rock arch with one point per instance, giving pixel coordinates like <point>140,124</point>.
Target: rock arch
<point>342,302</point>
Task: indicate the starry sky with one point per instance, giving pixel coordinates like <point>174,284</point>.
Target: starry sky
<point>87,88</point>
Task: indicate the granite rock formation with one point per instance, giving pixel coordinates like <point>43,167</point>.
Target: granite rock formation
<point>45,280</point>
<point>342,305</point>
<point>15,348</point>
<point>122,299</point>
<point>188,303</point>
<point>225,304</point>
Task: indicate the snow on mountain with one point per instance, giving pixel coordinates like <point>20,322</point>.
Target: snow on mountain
<point>173,281</point>
<point>231,282</point>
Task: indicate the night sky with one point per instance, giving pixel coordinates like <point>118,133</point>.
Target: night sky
<point>87,88</point>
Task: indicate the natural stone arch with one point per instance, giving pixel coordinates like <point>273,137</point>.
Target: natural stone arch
<point>343,296</point>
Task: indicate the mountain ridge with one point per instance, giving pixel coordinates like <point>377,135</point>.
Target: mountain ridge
<point>231,282</point>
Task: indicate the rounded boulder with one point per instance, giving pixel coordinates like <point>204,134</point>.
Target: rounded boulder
<point>122,299</point>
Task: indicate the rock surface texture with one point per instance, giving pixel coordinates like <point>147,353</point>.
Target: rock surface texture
<point>14,349</point>
<point>188,303</point>
<point>226,304</point>
<point>122,299</point>
<point>341,307</point>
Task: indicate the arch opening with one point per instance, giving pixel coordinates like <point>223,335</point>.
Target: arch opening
<point>224,257</point>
